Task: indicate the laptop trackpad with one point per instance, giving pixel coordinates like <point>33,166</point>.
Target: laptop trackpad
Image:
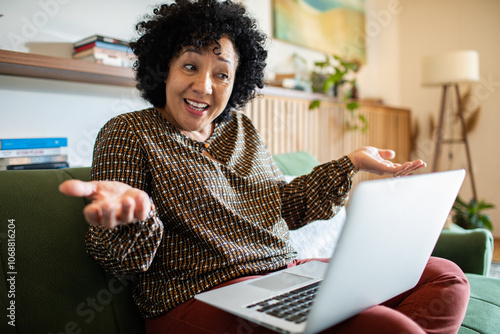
<point>279,281</point>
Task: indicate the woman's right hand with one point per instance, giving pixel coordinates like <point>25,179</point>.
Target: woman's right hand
<point>113,203</point>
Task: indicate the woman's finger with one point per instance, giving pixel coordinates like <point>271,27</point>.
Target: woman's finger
<point>92,214</point>
<point>109,215</point>
<point>143,207</point>
<point>387,154</point>
<point>127,210</point>
<point>78,188</point>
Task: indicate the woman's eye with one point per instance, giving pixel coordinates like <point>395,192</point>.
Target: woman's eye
<point>190,67</point>
<point>224,76</point>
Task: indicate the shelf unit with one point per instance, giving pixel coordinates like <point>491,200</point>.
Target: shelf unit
<point>67,69</point>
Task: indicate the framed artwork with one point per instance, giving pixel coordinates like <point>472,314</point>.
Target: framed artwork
<point>330,26</point>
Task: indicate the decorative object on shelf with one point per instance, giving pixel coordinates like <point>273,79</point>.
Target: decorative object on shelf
<point>330,26</point>
<point>469,215</point>
<point>104,50</point>
<point>448,70</point>
<point>336,76</point>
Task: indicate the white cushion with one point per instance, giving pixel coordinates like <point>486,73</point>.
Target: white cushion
<point>317,239</point>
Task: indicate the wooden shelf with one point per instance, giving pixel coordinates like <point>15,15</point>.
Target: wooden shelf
<point>47,67</point>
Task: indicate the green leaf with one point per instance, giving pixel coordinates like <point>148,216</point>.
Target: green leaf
<point>327,85</point>
<point>314,104</point>
<point>352,106</point>
<point>459,204</point>
<point>320,64</point>
<point>364,121</point>
<point>482,205</point>
<point>486,222</point>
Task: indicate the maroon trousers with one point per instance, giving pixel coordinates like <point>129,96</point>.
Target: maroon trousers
<point>437,304</point>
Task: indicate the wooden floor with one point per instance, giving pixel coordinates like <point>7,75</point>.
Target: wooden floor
<point>496,251</point>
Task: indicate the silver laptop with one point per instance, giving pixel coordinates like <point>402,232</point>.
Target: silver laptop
<point>391,229</point>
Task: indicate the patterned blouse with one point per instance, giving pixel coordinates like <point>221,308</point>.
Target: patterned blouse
<point>212,221</point>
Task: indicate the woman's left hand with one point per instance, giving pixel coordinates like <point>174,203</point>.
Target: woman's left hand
<point>373,160</point>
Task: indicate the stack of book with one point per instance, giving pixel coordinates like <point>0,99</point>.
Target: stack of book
<point>33,153</point>
<point>104,50</point>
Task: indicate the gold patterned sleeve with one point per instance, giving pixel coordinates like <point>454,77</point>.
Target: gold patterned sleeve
<point>126,249</point>
<point>318,195</point>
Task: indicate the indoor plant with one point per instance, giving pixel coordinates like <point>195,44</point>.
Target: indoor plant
<point>331,77</point>
<point>469,215</point>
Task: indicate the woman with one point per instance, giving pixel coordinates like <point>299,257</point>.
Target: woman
<point>186,197</point>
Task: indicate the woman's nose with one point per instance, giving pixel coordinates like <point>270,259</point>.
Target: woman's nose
<point>203,84</point>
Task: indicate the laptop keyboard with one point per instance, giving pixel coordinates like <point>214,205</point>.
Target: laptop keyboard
<point>292,306</point>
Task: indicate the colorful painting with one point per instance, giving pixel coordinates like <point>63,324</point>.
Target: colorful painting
<point>330,26</point>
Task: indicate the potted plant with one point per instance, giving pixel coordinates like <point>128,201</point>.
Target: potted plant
<point>330,77</point>
<point>469,215</point>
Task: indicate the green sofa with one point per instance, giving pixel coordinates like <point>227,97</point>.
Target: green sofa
<point>50,285</point>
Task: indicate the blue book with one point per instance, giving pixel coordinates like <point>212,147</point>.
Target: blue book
<point>29,143</point>
<point>116,47</point>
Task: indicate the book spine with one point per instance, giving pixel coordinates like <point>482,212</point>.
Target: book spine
<point>85,47</point>
<point>32,160</point>
<point>104,45</point>
<point>33,152</point>
<point>99,38</point>
<point>101,51</point>
<point>110,46</point>
<point>29,143</point>
<point>50,165</point>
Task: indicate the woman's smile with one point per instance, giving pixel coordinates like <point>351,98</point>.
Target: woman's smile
<point>196,108</point>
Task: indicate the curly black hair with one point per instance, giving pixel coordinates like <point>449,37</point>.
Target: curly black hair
<point>198,23</point>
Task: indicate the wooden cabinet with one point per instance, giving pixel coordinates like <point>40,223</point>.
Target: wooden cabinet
<point>287,125</point>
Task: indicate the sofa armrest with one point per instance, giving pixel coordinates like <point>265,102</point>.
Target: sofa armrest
<point>58,288</point>
<point>471,250</point>
<point>295,163</point>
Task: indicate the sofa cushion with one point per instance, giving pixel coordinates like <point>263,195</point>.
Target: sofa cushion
<point>317,239</point>
<point>483,312</point>
<point>296,163</point>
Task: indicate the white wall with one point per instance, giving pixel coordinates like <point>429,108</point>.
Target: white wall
<point>428,27</point>
<point>47,108</point>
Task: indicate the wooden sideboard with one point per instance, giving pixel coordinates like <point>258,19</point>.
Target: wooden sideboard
<point>282,116</point>
<point>287,125</point>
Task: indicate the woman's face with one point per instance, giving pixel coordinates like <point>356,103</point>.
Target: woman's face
<point>199,85</point>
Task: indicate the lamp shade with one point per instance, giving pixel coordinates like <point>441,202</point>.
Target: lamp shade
<point>450,67</point>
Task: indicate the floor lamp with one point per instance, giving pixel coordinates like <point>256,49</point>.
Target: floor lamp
<point>448,70</point>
